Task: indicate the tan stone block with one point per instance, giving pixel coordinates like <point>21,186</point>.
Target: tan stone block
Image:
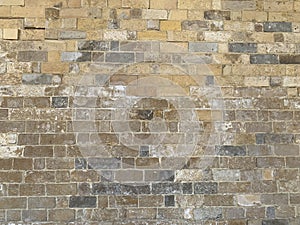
<point>173,47</point>
<point>216,4</point>
<point>155,14</point>
<point>11,23</point>
<point>194,4</point>
<point>275,6</point>
<point>91,24</point>
<point>10,34</point>
<point>217,36</point>
<point>74,3</point>
<point>178,15</point>
<point>115,4</point>
<point>182,35</point>
<point>238,26</point>
<point>34,23</point>
<point>133,24</point>
<point>5,11</point>
<point>19,11</point>
<point>257,81</point>
<point>32,35</point>
<point>163,4</point>
<point>196,14</point>
<point>137,4</point>
<point>170,25</point>
<point>11,2</point>
<point>54,45</point>
<point>254,16</point>
<point>71,45</point>
<point>52,67</point>
<point>152,35</point>
<point>73,12</point>
<point>94,34</point>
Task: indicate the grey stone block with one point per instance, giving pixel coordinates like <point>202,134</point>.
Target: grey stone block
<point>276,222</point>
<point>119,189</point>
<point>104,163</point>
<point>243,47</point>
<point>169,200</point>
<point>206,188</point>
<point>120,57</point>
<point>29,56</point>
<point>83,202</point>
<point>37,79</point>
<point>195,25</point>
<point>72,35</point>
<point>93,45</point>
<point>166,188</point>
<point>229,150</point>
<point>203,47</point>
<point>76,56</point>
<point>213,213</point>
<point>277,27</point>
<point>264,59</point>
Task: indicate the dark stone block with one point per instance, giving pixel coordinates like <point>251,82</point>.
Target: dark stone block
<point>60,102</point>
<point>187,188</point>
<point>32,56</point>
<point>114,45</point>
<point>217,15</point>
<point>205,188</point>
<point>289,59</point>
<point>166,188</point>
<point>264,59</point>
<point>231,150</point>
<point>276,222</point>
<point>120,57</point>
<point>169,200</point>
<point>145,114</point>
<point>93,45</point>
<point>243,47</point>
<point>270,213</point>
<point>144,151</point>
<point>83,202</point>
<point>98,56</point>
<point>260,139</point>
<point>277,27</point>
<point>278,38</point>
<point>136,13</point>
<point>37,79</point>
<point>80,163</point>
<point>104,163</point>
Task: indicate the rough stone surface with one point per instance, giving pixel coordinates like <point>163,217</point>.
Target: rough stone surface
<point>149,112</point>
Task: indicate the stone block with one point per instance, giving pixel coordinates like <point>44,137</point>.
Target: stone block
<point>231,150</point>
<point>264,59</point>
<point>170,25</point>
<point>75,56</point>
<point>83,202</point>
<point>277,27</point>
<point>163,4</point>
<point>203,47</point>
<point>10,34</point>
<point>217,15</point>
<point>205,188</point>
<point>195,25</point>
<point>72,35</point>
<point>242,47</point>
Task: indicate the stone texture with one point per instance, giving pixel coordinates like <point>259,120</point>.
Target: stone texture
<point>243,47</point>
<point>264,59</point>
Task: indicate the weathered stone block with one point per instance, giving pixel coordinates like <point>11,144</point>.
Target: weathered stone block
<point>206,188</point>
<point>72,35</point>
<point>231,150</point>
<point>217,15</point>
<point>75,56</point>
<point>277,27</point>
<point>195,25</point>
<point>29,56</point>
<point>93,45</point>
<point>156,14</point>
<point>212,213</point>
<point>83,202</point>
<point>119,57</point>
<point>275,222</point>
<point>203,47</point>
<point>242,47</point>
<point>264,59</point>
<point>166,188</point>
<point>37,79</point>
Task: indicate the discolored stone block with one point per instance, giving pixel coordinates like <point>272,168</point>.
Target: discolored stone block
<point>195,25</point>
<point>60,102</point>
<point>216,15</point>
<point>231,150</point>
<point>169,200</point>
<point>275,222</point>
<point>37,79</point>
<point>65,35</point>
<point>75,56</point>
<point>93,45</point>
<point>264,59</point>
<point>203,47</point>
<point>208,213</point>
<point>205,188</point>
<point>277,27</point>
<point>289,59</point>
<point>28,56</point>
<point>243,47</point>
<point>119,57</point>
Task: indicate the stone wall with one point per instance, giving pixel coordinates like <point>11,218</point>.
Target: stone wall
<point>149,112</point>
